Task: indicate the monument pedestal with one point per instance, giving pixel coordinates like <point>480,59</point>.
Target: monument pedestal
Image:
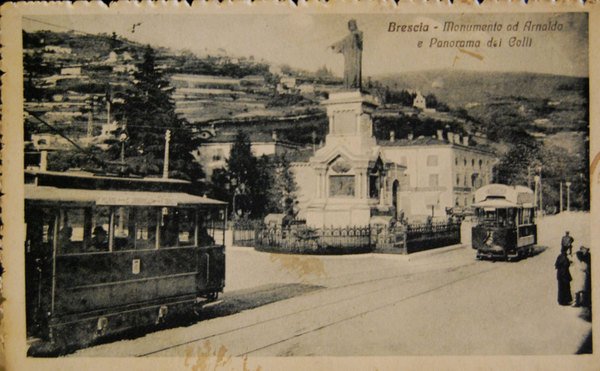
<point>350,171</point>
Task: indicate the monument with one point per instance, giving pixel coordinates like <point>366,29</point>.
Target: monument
<point>351,47</point>
<point>353,180</point>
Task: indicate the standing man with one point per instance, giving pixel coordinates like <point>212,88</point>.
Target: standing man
<point>351,47</point>
<point>567,243</point>
<point>563,276</point>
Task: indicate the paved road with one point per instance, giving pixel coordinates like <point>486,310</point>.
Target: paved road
<point>443,304</point>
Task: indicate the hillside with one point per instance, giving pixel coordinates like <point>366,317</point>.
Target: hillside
<point>539,103</point>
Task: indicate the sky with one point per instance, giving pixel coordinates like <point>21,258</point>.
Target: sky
<point>302,40</point>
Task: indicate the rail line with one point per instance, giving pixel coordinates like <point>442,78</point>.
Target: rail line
<point>413,276</point>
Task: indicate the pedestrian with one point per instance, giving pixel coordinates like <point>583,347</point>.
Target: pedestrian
<point>563,276</point>
<point>580,277</point>
<point>567,242</point>
<point>587,285</point>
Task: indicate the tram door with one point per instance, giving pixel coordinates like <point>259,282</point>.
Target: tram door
<point>40,225</point>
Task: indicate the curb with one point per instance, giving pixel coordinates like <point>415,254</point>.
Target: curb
<point>408,257</point>
<point>441,250</point>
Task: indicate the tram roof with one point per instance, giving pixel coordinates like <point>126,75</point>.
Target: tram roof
<point>115,198</point>
<point>502,195</point>
<point>496,203</point>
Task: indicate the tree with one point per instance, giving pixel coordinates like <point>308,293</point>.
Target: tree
<point>242,173</point>
<point>147,113</point>
<point>513,166</point>
<point>282,195</point>
<point>431,101</point>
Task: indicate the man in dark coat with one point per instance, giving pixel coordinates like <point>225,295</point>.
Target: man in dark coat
<point>567,242</point>
<point>564,278</point>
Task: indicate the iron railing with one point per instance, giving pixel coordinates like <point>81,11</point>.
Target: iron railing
<point>303,239</point>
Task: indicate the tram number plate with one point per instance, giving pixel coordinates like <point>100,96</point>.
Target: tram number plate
<point>135,266</point>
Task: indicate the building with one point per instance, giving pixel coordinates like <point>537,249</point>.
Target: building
<point>355,180</point>
<point>214,153</point>
<point>442,173</point>
<point>71,71</point>
<point>419,101</point>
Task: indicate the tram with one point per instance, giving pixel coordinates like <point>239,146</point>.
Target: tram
<point>505,222</point>
<point>106,254</point>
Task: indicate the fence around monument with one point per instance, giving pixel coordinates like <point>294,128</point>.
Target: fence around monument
<point>404,239</point>
<point>426,236</point>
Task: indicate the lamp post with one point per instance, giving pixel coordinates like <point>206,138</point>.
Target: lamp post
<point>561,199</point>
<point>536,181</point>
<point>541,191</point>
<point>166,160</point>
<point>568,184</point>
<point>123,138</point>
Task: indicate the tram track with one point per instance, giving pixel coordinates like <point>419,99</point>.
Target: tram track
<point>347,298</point>
<point>363,313</point>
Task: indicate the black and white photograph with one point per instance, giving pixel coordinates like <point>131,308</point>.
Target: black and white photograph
<point>221,187</point>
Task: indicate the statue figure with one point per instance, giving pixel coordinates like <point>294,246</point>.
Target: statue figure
<point>351,47</point>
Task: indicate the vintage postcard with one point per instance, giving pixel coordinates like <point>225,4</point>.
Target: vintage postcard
<point>266,186</point>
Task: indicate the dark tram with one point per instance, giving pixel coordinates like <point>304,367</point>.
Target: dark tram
<point>106,254</point>
<point>505,227</point>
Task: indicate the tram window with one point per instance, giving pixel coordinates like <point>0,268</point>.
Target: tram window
<point>146,221</point>
<point>527,219</point>
<point>510,218</point>
<point>40,229</point>
<point>83,230</point>
<point>487,216</point>
<point>187,227</point>
<point>124,228</point>
<point>502,217</point>
<point>206,228</point>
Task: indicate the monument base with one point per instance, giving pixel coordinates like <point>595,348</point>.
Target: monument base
<point>349,213</point>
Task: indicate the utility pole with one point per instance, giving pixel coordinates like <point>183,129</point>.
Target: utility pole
<point>123,138</point>
<point>536,181</point>
<point>541,193</point>
<point>166,161</point>
<point>561,199</point>
<point>568,184</point>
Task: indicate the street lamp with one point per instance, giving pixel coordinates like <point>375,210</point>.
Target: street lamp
<point>536,182</point>
<point>568,184</point>
<point>541,191</point>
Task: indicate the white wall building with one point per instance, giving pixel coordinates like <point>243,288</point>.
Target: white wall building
<point>214,154</point>
<point>442,172</point>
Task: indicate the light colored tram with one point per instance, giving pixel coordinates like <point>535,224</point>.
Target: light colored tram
<point>505,226</point>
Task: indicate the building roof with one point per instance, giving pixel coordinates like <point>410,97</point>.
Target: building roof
<point>430,141</point>
<point>300,155</point>
<point>115,198</point>
<point>255,137</point>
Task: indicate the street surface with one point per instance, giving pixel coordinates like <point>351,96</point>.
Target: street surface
<point>436,303</point>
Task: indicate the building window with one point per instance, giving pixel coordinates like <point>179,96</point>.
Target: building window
<point>457,179</point>
<point>465,161</point>
<point>473,162</point>
<point>456,161</point>
<point>341,186</point>
<point>456,201</point>
<point>432,160</point>
<point>433,180</point>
